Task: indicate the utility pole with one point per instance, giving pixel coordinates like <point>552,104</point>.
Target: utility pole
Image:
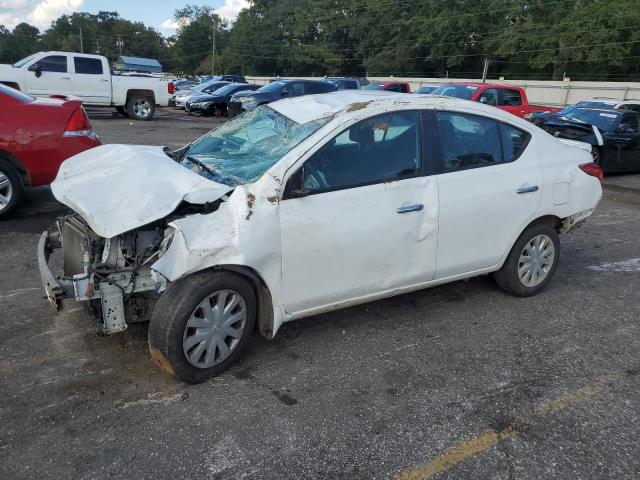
<point>485,70</point>
<point>213,50</point>
<point>119,44</point>
<point>81,45</point>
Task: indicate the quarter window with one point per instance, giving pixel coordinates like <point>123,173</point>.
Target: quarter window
<point>511,98</point>
<point>52,63</point>
<point>379,149</point>
<point>514,141</point>
<point>89,66</point>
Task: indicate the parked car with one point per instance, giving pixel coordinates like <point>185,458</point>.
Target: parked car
<point>244,101</point>
<point>613,134</point>
<point>399,87</point>
<point>215,103</point>
<point>426,89</point>
<point>345,83</point>
<point>184,84</point>
<point>36,136</point>
<point>89,78</point>
<point>509,98</point>
<point>180,99</point>
<point>538,118</point>
<point>307,205</point>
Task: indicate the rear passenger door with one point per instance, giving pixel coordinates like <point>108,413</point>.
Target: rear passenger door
<point>489,186</point>
<point>510,100</point>
<point>91,80</point>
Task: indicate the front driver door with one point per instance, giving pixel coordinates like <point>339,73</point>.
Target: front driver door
<point>359,217</point>
<point>54,77</point>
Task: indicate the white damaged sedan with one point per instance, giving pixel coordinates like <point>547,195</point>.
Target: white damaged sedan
<point>308,205</point>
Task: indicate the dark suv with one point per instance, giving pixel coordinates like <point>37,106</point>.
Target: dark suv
<point>278,90</point>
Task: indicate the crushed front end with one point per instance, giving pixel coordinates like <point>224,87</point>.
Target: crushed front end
<point>112,275</point>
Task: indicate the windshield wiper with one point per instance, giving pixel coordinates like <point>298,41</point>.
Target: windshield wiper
<point>202,165</point>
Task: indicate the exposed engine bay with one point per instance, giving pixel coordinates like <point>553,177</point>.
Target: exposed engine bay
<point>113,275</point>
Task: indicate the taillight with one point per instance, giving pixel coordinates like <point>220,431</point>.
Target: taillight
<point>78,124</point>
<point>171,88</point>
<point>593,170</point>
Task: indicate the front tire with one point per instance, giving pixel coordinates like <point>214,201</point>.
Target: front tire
<point>11,187</point>
<point>140,107</point>
<point>201,325</point>
<point>122,111</point>
<point>531,263</point>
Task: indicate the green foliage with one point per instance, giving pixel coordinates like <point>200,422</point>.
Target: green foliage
<point>585,39</point>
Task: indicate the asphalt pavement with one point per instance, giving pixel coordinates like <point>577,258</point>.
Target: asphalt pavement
<point>460,381</point>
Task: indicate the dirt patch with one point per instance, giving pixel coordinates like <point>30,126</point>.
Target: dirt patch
<point>250,199</point>
<point>354,107</point>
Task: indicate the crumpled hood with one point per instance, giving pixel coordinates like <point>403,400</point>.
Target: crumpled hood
<point>117,188</point>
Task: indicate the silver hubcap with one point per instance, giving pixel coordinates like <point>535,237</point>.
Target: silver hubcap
<point>6,191</point>
<point>214,329</point>
<point>536,260</point>
<point>142,108</point>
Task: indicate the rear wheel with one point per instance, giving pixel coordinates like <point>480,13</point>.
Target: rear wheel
<point>531,262</point>
<point>11,187</point>
<point>201,325</point>
<point>140,107</point>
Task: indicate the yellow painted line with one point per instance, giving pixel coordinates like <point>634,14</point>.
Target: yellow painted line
<point>470,448</point>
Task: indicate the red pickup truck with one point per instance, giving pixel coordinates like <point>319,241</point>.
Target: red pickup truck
<point>506,97</point>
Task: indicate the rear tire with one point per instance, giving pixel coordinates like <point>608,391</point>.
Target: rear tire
<point>140,107</point>
<point>11,187</point>
<point>531,263</point>
<point>194,333</point>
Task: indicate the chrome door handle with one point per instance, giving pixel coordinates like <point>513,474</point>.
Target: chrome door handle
<point>65,78</point>
<point>411,208</point>
<point>104,80</point>
<point>530,189</point>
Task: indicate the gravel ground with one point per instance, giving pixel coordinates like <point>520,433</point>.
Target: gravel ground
<point>460,381</point>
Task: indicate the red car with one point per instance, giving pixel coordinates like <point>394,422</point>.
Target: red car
<point>400,87</point>
<point>36,136</point>
<point>509,98</point>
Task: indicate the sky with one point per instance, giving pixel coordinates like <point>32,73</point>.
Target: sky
<point>153,13</point>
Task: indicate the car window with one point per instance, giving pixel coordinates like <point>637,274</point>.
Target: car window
<point>467,141</point>
<point>379,149</point>
<point>489,97</point>
<point>52,63</point>
<point>395,88</point>
<point>634,107</point>
<point>312,87</point>
<point>89,66</point>
<point>629,123</point>
<point>295,89</point>
<point>457,91</point>
<point>514,141</point>
<point>510,98</point>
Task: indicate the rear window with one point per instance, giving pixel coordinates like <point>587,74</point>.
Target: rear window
<point>23,97</point>
<point>88,66</point>
<point>374,86</point>
<point>603,120</point>
<point>458,91</point>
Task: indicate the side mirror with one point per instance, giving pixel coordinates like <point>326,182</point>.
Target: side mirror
<point>484,100</point>
<point>295,186</point>
<point>36,69</point>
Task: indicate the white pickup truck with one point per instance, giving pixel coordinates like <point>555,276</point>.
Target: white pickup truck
<point>89,78</point>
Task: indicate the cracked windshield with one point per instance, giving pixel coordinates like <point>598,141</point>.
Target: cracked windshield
<point>241,150</point>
